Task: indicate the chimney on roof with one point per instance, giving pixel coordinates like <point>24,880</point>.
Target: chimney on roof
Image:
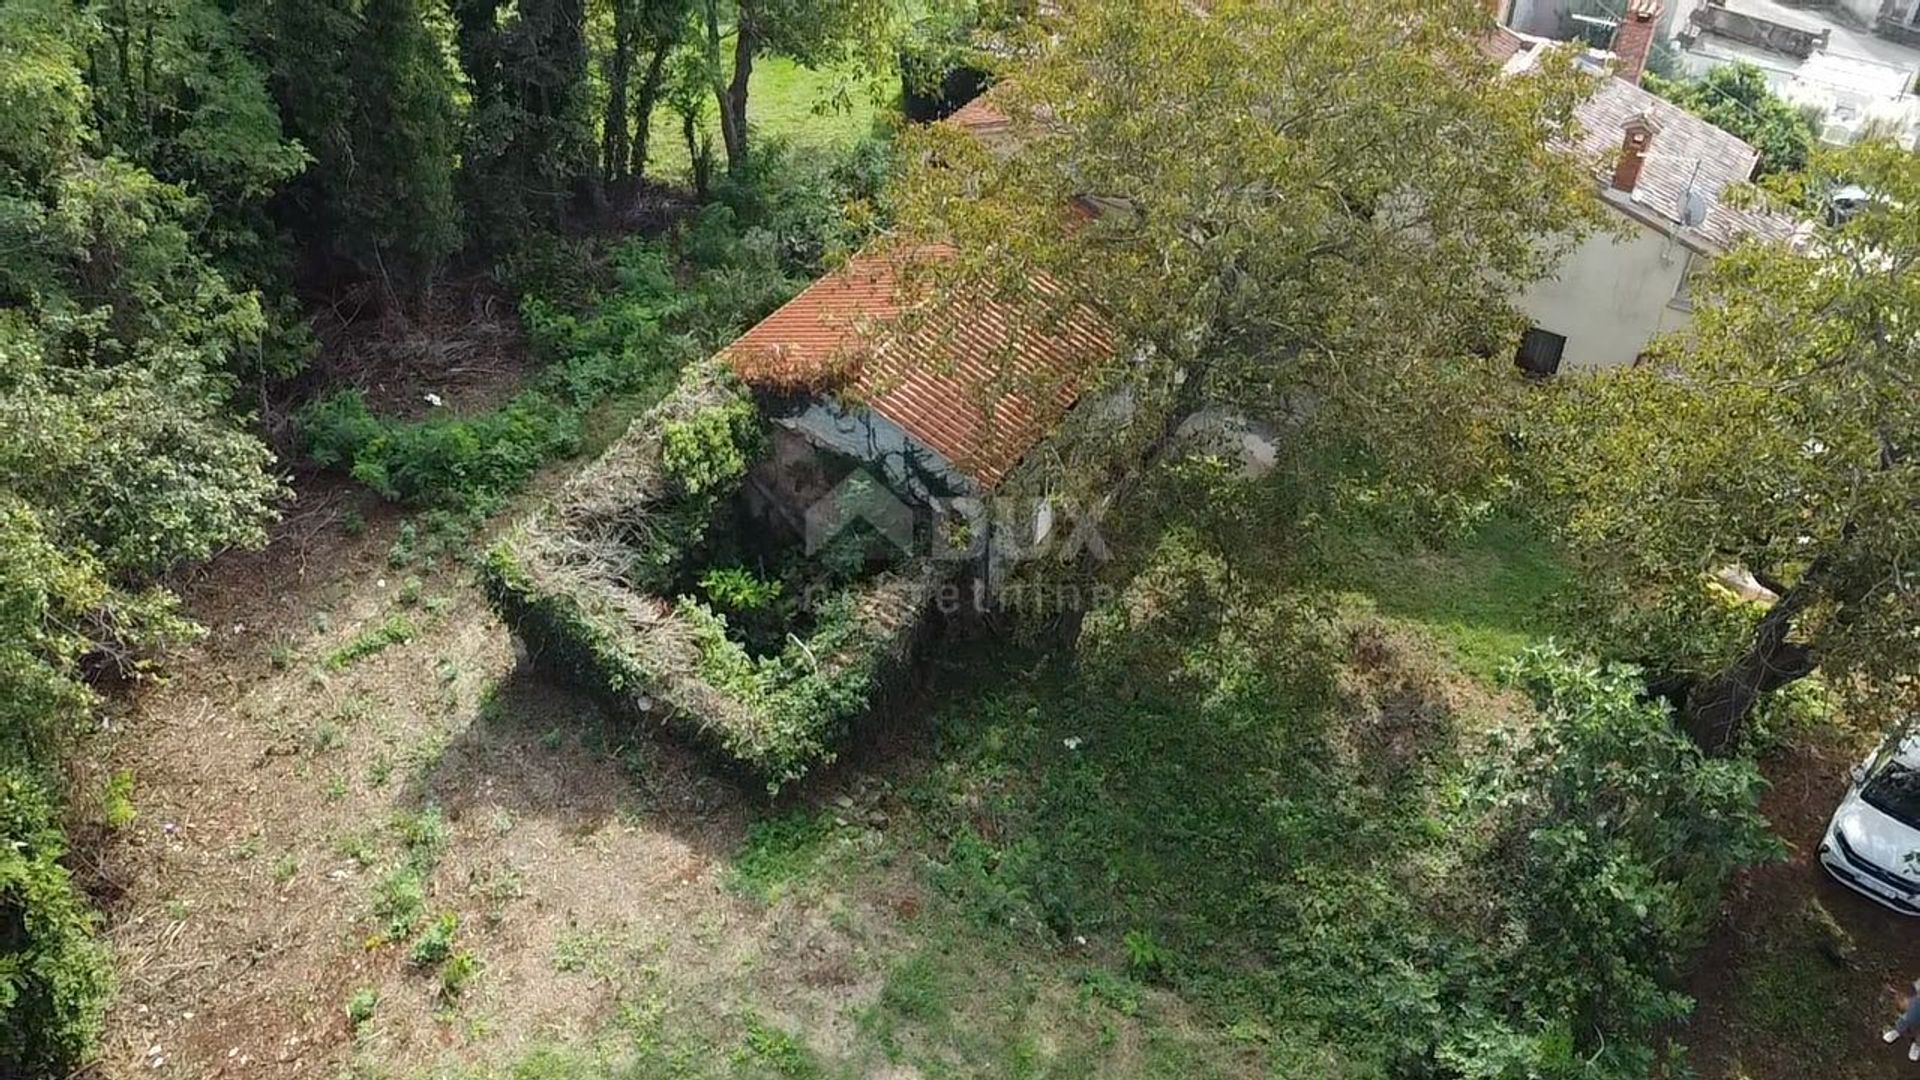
<point>1633,38</point>
<point>1637,141</point>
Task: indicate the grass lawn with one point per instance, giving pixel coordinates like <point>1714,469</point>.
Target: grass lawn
<point>831,108</point>
<point>1485,598</point>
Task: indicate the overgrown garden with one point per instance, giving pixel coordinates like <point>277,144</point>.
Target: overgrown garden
<point>1406,836</point>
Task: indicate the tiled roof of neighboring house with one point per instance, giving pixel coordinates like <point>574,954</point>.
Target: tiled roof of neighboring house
<point>1687,151</point>
<point>978,379</point>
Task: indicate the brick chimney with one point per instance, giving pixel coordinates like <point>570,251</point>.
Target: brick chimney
<point>1633,39</point>
<point>1637,140</point>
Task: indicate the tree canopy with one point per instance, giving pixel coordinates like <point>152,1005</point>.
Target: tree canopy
<point>1778,436</point>
<point>1736,98</point>
<point>1313,210</point>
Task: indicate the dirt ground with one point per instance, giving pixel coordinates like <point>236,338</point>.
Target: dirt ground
<point>1775,1002</point>
<point>274,784</point>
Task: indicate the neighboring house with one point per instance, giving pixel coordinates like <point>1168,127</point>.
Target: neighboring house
<point>1819,55</point>
<point>1896,19</point>
<point>1665,174</point>
<point>1573,18</point>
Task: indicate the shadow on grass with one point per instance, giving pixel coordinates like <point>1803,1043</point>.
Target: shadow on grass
<point>537,749</point>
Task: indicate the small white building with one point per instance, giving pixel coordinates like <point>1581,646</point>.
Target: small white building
<point>1666,175</point>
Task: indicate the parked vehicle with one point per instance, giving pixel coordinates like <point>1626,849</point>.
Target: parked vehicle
<point>1873,843</point>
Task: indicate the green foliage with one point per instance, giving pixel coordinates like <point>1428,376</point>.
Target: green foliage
<point>435,944</point>
<point>529,146</point>
<point>1770,438</point>
<point>116,802</point>
<point>778,1052</point>
<point>736,589</point>
<point>709,451</point>
<point>391,631</point>
<point>1257,265</point>
<point>361,1006</point>
<point>55,975</point>
<point>366,88</point>
<point>1624,837</point>
<point>630,341</point>
<point>457,974</point>
<point>1736,98</point>
<point>1366,873</point>
<point>777,853</point>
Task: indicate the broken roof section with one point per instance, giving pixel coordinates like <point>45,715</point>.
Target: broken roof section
<point>977,378</point>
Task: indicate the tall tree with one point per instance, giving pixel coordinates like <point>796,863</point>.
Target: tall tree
<point>365,87</point>
<point>530,150</point>
<point>1313,211</point>
<point>1779,436</point>
<point>646,31</point>
<point>122,453</point>
<point>813,32</point>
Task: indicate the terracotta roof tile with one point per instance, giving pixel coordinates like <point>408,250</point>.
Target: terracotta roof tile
<point>978,379</point>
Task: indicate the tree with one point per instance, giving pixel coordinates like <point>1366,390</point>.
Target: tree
<point>365,88</point>
<point>1778,436</point>
<point>1312,211</point>
<point>813,32</point>
<point>1735,98</point>
<point>529,150</point>
<point>649,28</point>
<point>122,453</point>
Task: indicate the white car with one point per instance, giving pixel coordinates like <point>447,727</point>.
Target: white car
<point>1873,843</point>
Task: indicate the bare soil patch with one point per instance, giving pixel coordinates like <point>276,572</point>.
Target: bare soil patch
<point>1773,1002</point>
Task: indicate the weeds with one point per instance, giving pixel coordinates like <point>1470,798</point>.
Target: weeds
<point>778,853</point>
<point>435,944</point>
<point>394,630</point>
<point>116,802</point>
<point>361,1006</point>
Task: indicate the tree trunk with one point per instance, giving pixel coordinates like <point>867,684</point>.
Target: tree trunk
<point>613,150</point>
<point>644,106</point>
<point>1718,707</point>
<point>731,95</point>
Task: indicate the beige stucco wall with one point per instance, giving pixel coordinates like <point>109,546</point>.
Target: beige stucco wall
<point>1611,298</point>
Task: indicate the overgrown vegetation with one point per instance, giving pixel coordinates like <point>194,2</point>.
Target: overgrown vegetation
<point>588,585</point>
<point>1275,782</point>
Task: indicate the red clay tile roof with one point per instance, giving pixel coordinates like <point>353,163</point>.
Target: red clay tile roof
<point>962,377</point>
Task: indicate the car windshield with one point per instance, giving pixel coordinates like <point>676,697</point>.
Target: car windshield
<point>1895,791</point>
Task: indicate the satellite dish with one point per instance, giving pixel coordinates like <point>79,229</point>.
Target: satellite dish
<point>1693,209</point>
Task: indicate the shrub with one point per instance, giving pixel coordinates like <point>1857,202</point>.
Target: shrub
<point>55,975</point>
<point>1618,838</point>
<point>436,943</point>
<point>629,340</point>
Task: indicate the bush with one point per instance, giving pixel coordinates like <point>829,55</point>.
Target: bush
<point>55,976</point>
<point>1618,838</point>
<point>630,340</point>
